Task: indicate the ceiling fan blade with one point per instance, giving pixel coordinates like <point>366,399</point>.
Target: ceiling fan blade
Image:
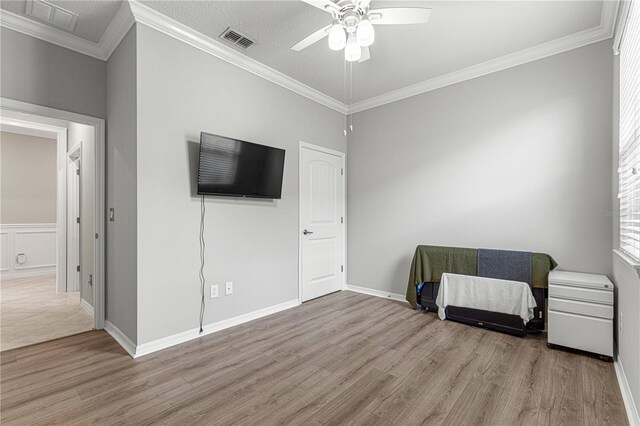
<point>366,55</point>
<point>313,38</point>
<point>326,5</point>
<point>400,15</point>
<point>364,3</point>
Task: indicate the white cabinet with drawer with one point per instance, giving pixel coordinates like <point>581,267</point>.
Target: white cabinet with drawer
<point>581,312</point>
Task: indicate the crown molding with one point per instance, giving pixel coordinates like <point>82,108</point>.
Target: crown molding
<point>115,32</point>
<point>609,16</point>
<point>131,12</point>
<point>573,41</point>
<point>159,22</point>
<point>621,23</point>
<point>117,29</point>
<point>44,32</point>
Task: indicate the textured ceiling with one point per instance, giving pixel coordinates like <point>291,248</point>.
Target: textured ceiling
<point>459,34</point>
<point>94,16</point>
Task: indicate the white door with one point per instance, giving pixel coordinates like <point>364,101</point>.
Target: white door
<point>321,223</point>
<point>73,226</point>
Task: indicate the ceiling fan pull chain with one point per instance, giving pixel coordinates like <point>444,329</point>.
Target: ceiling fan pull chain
<point>344,80</point>
<point>351,94</point>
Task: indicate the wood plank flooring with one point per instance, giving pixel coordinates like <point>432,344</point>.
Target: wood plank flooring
<point>346,358</point>
<point>32,312</point>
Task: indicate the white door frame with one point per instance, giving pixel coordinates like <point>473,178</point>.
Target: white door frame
<point>29,127</point>
<point>73,199</point>
<point>343,157</point>
<point>99,189</point>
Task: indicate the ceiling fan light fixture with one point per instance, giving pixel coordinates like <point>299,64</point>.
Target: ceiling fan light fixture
<point>337,37</point>
<point>365,33</point>
<point>352,50</point>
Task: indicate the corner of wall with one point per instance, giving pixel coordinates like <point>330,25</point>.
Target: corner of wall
<point>121,192</point>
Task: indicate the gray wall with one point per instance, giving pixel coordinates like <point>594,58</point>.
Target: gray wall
<point>34,71</point>
<point>121,258</point>
<point>518,159</point>
<point>252,243</point>
<point>28,179</point>
<point>80,133</point>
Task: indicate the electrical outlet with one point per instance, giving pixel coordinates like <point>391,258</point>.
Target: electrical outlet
<point>214,291</point>
<point>228,289</point>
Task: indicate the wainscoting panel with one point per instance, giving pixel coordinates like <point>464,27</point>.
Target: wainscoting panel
<point>4,253</point>
<point>27,249</point>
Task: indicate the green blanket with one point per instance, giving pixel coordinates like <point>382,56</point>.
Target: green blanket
<point>430,262</point>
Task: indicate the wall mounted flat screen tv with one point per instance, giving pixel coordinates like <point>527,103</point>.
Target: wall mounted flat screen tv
<point>235,168</point>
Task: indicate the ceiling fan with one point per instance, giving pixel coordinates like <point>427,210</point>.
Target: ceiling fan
<point>352,26</point>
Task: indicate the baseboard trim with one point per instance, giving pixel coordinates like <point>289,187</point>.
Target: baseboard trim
<point>86,306</point>
<point>50,271</point>
<point>378,293</point>
<point>627,396</point>
<point>176,339</point>
<point>121,338</point>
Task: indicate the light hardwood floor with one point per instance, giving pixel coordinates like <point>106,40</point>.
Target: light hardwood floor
<point>345,358</point>
<point>31,312</point>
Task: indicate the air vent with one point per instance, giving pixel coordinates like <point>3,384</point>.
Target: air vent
<point>54,15</point>
<point>244,43</point>
<point>234,37</point>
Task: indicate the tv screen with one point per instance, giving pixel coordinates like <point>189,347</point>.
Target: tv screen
<point>239,169</point>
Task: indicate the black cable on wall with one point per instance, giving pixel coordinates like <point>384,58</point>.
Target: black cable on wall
<point>202,247</point>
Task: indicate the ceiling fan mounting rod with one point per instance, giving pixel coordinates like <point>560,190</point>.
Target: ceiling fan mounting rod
<point>350,20</point>
<point>349,14</point>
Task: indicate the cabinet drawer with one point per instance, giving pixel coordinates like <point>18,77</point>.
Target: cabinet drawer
<point>580,332</point>
<point>584,308</point>
<point>581,293</point>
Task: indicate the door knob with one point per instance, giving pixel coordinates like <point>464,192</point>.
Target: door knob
<point>305,232</point>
